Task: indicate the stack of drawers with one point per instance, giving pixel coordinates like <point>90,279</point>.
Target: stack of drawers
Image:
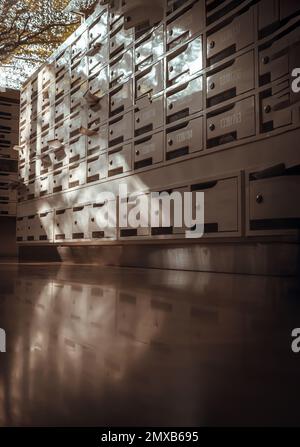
<point>198,99</point>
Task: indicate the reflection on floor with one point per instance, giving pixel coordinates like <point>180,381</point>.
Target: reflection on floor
<point>106,346</point>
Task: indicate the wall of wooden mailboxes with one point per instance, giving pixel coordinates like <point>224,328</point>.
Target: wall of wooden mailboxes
<point>201,100</point>
<point>9,135</point>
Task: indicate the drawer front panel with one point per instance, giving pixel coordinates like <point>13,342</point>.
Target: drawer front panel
<point>236,123</point>
<point>149,150</point>
<point>185,139</point>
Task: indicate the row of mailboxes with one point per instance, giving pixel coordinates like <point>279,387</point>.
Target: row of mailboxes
<point>37,227</point>
<point>226,125</point>
<point>99,220</point>
<point>184,100</point>
<point>82,222</point>
<point>183,62</point>
<point>90,50</point>
<point>239,76</point>
<point>222,210</point>
<point>232,79</point>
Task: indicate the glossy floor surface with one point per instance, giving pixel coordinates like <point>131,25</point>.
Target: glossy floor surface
<point>88,345</point>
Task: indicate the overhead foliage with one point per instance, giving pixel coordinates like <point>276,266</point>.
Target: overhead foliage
<point>31,29</point>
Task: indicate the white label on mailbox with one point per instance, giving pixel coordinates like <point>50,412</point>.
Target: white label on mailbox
<point>229,121</point>
<point>184,136</point>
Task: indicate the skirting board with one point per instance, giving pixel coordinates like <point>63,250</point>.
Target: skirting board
<point>246,258</point>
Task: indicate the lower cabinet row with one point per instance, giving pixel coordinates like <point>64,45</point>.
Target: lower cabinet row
<point>268,206</point>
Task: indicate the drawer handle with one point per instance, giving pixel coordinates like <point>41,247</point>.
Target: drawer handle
<point>212,85</point>
<point>170,142</point>
<point>171,106</point>
<point>267,108</point>
<point>137,152</point>
<point>212,44</point>
<point>265,60</point>
<point>111,162</point>
<point>259,198</point>
<point>212,127</point>
<point>137,120</point>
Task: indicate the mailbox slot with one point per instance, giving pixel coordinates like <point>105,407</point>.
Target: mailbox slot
<point>102,220</point>
<point>121,98</point>
<point>186,24</point>
<point>231,123</point>
<point>120,160</point>
<point>151,81</point>
<point>185,61</point>
<point>80,222</point>
<point>120,129</point>
<point>97,168</point>
<point>185,100</point>
<point>231,37</point>
<point>185,138</point>
<point>148,150</point>
<point>235,78</point>
<point>148,114</point>
<point>77,174</point>
<point>273,196</point>
<point>63,224</point>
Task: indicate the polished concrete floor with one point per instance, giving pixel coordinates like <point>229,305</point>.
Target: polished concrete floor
<point>88,345</point>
